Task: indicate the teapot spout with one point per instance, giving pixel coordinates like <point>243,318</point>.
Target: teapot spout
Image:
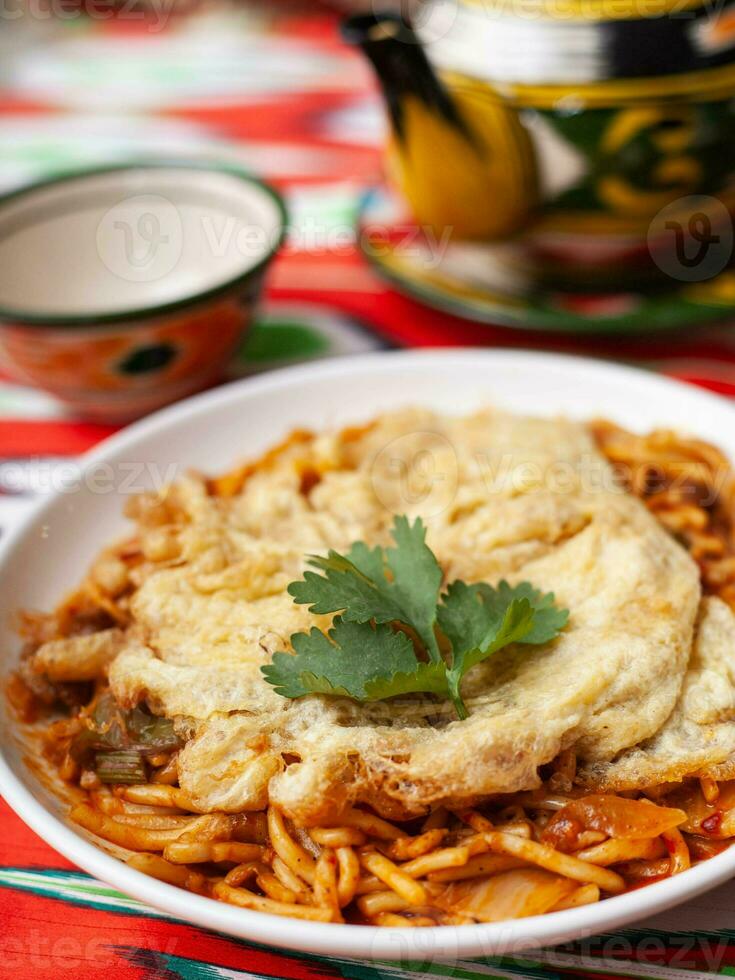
<point>403,70</point>
<point>463,161</point>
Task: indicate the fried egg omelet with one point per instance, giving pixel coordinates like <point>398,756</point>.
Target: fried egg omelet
<point>641,683</point>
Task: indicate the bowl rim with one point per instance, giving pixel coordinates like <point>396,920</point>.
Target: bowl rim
<point>24,318</point>
<point>438,943</point>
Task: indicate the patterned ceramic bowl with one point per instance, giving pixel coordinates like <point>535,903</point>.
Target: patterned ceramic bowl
<point>123,289</point>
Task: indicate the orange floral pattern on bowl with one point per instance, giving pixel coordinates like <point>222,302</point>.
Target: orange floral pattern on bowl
<point>120,372</point>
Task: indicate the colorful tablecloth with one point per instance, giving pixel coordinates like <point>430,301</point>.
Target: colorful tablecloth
<point>272,88</point>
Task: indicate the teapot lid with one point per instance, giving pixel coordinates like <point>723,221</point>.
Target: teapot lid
<point>577,42</point>
<point>587,9</point>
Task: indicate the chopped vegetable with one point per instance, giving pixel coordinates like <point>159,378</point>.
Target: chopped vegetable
<point>367,657</point>
<point>713,820</point>
<point>509,895</point>
<point>614,816</point>
<point>149,733</point>
<point>120,767</point>
<point>118,741</point>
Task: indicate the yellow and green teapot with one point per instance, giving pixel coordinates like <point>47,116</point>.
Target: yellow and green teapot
<point>565,125</point>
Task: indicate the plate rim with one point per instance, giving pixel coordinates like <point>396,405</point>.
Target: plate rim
<point>439,943</point>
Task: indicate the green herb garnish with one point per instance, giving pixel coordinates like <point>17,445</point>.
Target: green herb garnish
<point>367,657</point>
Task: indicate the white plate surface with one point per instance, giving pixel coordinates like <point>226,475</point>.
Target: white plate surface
<point>42,559</point>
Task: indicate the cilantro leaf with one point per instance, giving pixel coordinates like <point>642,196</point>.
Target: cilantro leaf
<point>346,661</point>
<point>417,578</point>
<point>479,620</point>
<point>350,585</point>
<point>548,619</point>
<point>466,619</point>
<point>366,657</point>
<point>399,584</point>
<point>425,678</point>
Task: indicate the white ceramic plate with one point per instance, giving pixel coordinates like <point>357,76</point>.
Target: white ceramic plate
<point>44,557</point>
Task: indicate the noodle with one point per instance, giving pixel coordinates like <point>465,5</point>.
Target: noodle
<point>556,861</point>
<point>157,867</point>
<point>448,857</point>
<point>183,852</point>
<point>372,825</point>
<point>368,877</point>
<point>274,888</point>
<point>293,855</point>
<point>680,859</point>
<point>689,486</point>
<point>244,872</point>
<point>406,848</point>
<point>615,851</point>
<point>349,875</point>
<point>378,902</point>
<point>395,878</point>
<point>364,868</point>
<point>292,881</point>
<point>338,836</point>
<point>325,884</point>
<point>249,900</point>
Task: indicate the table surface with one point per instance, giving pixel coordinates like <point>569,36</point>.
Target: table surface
<point>271,88</point>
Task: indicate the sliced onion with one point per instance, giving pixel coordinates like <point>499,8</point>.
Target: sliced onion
<point>510,895</point>
<point>615,816</point>
<point>713,820</point>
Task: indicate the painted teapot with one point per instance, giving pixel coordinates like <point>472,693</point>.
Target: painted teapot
<point>568,126</point>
